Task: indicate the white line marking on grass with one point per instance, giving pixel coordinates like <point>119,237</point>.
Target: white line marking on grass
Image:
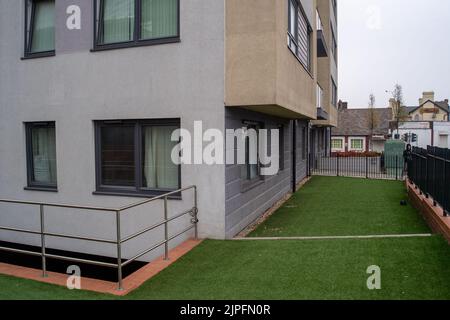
<point>387,236</point>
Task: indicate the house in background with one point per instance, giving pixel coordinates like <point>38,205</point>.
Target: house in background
<point>428,122</point>
<point>360,130</point>
<point>428,109</point>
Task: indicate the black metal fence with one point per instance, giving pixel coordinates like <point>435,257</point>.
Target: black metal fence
<point>360,166</point>
<point>429,171</point>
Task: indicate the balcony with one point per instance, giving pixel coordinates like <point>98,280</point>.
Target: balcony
<point>262,73</point>
<point>321,113</point>
<point>322,50</point>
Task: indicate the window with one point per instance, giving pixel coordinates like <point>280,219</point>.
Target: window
<point>334,3</point>
<point>319,94</point>
<point>334,93</point>
<point>250,171</point>
<point>321,138</point>
<point>299,34</point>
<point>357,144</point>
<point>333,45</point>
<point>39,28</point>
<point>135,157</point>
<point>281,147</point>
<point>304,142</point>
<point>41,155</point>
<point>337,144</point>
<point>125,23</point>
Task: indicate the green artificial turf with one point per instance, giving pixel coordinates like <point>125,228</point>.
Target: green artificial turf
<point>336,206</point>
<point>412,268</point>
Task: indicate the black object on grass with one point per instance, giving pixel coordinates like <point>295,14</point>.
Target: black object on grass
<point>403,203</point>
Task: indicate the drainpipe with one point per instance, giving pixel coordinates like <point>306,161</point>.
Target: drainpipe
<point>432,133</point>
<point>294,155</point>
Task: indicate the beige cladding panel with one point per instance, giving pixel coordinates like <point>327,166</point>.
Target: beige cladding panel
<point>260,69</point>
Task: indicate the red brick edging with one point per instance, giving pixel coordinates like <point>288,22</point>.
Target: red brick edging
<point>130,283</point>
<point>434,216</point>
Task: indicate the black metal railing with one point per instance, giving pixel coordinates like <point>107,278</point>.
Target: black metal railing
<point>429,171</point>
<point>367,166</point>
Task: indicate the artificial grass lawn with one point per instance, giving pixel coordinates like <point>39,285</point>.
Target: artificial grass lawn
<point>412,268</point>
<point>336,206</point>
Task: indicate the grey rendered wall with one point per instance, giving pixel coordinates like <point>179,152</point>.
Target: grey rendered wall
<point>182,80</point>
<point>244,206</point>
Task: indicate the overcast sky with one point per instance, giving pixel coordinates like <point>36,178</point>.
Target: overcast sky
<point>384,42</point>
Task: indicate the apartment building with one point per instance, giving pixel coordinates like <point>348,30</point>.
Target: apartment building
<point>91,90</point>
<point>327,77</point>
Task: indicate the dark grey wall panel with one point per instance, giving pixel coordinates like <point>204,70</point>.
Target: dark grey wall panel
<point>242,206</point>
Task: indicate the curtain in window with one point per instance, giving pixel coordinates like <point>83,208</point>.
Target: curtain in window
<point>159,19</point>
<point>43,36</point>
<point>44,155</point>
<point>159,170</point>
<point>118,21</point>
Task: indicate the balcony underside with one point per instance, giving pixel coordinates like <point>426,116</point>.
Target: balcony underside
<point>275,110</point>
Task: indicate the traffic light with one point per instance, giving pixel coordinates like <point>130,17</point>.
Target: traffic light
<point>414,137</point>
<point>405,137</point>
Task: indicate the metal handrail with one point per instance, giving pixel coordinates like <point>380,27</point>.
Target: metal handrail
<point>118,241</point>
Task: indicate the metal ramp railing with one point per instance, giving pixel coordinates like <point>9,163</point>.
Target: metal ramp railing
<point>118,242</point>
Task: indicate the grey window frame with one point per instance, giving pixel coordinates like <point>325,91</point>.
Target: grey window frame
<point>32,185</point>
<point>248,184</point>
<point>296,37</point>
<point>304,142</point>
<point>137,190</point>
<point>281,147</point>
<point>137,41</point>
<point>334,92</point>
<point>334,5</point>
<point>334,45</point>
<point>28,33</point>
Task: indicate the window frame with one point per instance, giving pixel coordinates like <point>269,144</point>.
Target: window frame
<point>137,41</point>
<point>295,37</point>
<point>304,142</point>
<point>334,5</point>
<point>32,185</point>
<point>137,190</point>
<point>334,47</point>
<point>351,139</point>
<point>334,93</point>
<point>28,32</point>
<point>342,149</point>
<point>281,148</point>
<point>247,184</point>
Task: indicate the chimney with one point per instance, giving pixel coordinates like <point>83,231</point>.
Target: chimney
<point>342,105</point>
<point>392,103</point>
<point>393,106</point>
<point>427,95</point>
